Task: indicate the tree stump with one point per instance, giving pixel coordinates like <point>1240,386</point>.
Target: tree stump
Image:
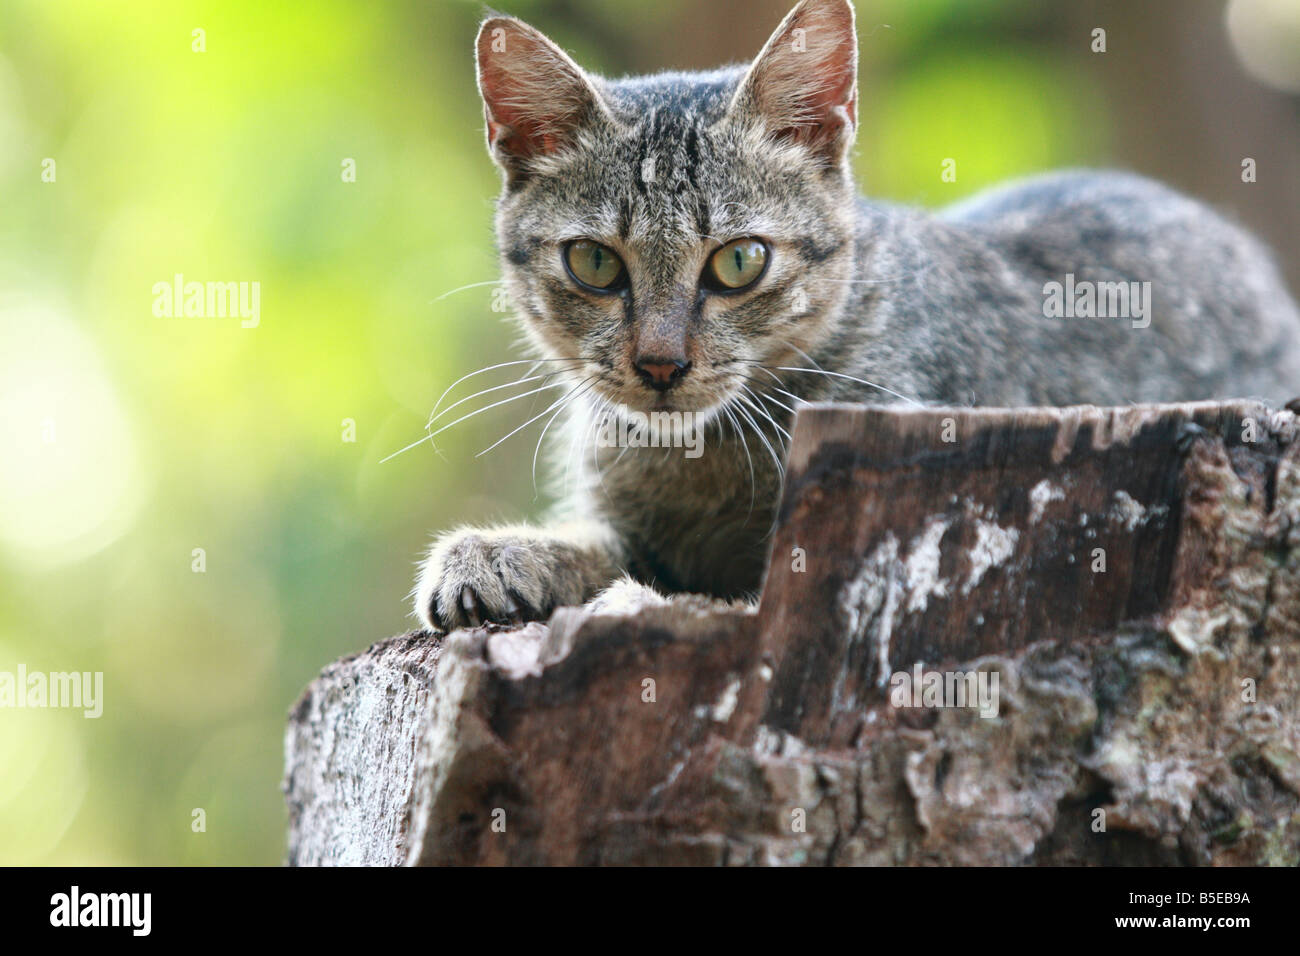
<point>1125,581</point>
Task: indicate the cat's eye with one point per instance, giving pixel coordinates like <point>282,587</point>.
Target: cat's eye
<point>737,265</point>
<point>594,266</point>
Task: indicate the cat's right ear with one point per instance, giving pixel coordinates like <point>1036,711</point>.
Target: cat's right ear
<point>535,97</point>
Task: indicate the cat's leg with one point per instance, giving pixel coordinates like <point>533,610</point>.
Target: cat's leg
<point>513,574</point>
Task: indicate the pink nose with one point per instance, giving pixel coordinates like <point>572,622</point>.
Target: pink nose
<point>662,374</point>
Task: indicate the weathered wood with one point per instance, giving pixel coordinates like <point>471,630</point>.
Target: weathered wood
<point>941,536</point>
<point>1159,698</point>
<point>350,750</point>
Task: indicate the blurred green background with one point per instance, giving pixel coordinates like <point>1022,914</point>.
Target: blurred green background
<point>130,440</point>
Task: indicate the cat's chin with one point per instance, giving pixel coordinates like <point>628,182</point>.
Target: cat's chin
<point>671,403</point>
<point>697,412</point>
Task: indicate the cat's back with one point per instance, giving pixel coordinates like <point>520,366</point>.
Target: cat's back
<point>968,298</point>
<point>1077,197</point>
<point>1217,295</point>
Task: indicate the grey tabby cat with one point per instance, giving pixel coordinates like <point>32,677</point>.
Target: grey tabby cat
<point>693,243</point>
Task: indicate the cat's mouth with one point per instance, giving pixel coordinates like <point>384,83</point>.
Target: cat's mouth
<point>664,403</point>
<point>691,399</point>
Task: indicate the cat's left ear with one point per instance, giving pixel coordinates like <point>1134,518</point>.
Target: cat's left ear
<point>803,87</point>
<point>535,98</point>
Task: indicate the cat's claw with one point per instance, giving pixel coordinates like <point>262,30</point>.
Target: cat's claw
<point>511,609</point>
<point>476,613</point>
<point>469,602</point>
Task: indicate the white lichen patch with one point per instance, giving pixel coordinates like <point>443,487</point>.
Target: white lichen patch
<point>1193,629</point>
<point>994,546</point>
<point>726,704</point>
<point>922,567</point>
<point>1283,424</point>
<point>1040,496</point>
<point>1126,511</point>
<point>770,742</point>
<point>873,595</point>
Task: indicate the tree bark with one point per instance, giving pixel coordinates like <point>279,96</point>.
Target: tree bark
<point>1130,577</point>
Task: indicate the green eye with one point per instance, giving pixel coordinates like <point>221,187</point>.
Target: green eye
<point>738,264</point>
<point>594,265</point>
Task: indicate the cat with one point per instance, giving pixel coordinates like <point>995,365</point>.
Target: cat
<point>692,244</point>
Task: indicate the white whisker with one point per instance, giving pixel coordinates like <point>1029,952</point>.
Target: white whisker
<point>606,407</point>
<point>776,459</point>
<point>493,368</point>
<point>504,401</point>
<point>780,381</point>
<point>472,285</point>
<point>531,420</point>
<point>881,281</point>
<point>861,381</point>
<point>426,438</point>
<point>822,371</point>
<point>487,391</point>
<point>744,442</point>
<point>579,434</point>
<point>764,413</point>
<point>569,399</point>
<point>764,396</point>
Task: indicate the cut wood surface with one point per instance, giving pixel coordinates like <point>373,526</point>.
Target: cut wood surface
<point>1127,581</point>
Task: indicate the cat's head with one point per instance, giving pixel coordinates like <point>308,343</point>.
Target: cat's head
<point>666,233</point>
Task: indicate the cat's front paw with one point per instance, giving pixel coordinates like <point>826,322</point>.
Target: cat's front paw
<point>506,576</point>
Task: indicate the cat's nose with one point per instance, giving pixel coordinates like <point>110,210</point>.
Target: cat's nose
<point>661,374</point>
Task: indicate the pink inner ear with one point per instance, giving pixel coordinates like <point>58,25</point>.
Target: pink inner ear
<point>516,135</point>
<point>819,108</point>
<point>532,94</point>
<point>807,91</point>
<point>509,124</point>
<point>521,138</point>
